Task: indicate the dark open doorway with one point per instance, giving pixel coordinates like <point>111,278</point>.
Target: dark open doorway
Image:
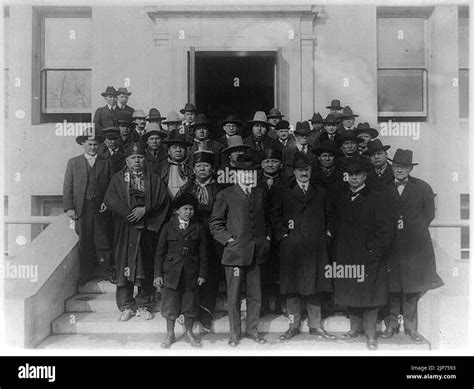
<point>234,82</point>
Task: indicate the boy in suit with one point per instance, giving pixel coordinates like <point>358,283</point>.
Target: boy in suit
<point>180,267</point>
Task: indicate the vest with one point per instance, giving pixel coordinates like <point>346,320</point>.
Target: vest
<point>91,189</point>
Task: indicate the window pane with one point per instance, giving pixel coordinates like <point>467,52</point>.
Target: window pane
<point>400,90</point>
<point>68,89</point>
<point>401,42</point>
<point>465,238</point>
<point>463,43</point>
<point>68,42</point>
<point>463,93</point>
<point>464,203</point>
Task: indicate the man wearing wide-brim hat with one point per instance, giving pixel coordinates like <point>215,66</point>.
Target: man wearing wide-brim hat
<point>381,173</point>
<point>201,130</point>
<point>274,116</point>
<point>363,233</point>
<point>175,171</point>
<point>111,148</point>
<point>367,133</point>
<point>140,204</point>
<point>330,123</point>
<point>235,149</point>
<point>299,215</point>
<point>189,113</point>
<point>154,116</point>
<point>139,120</point>
<point>122,100</point>
<point>239,222</point>
<point>231,126</point>
<point>411,262</point>
<point>107,115</point>
<point>85,183</point>
<point>155,152</point>
<point>301,133</point>
<point>259,140</point>
<point>347,118</point>
<point>326,173</point>
<point>335,107</point>
<point>125,126</point>
<point>173,122</point>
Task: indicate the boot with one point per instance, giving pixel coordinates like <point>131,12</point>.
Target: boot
<point>189,336</point>
<point>170,338</point>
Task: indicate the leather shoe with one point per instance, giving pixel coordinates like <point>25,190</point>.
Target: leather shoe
<point>415,336</point>
<point>112,278</point>
<point>233,342</point>
<point>145,313</point>
<point>389,332</point>
<point>350,335</point>
<point>372,344</point>
<point>322,333</point>
<point>292,332</point>
<point>256,338</point>
<point>127,315</point>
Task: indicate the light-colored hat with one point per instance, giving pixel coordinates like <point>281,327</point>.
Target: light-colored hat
<point>172,117</point>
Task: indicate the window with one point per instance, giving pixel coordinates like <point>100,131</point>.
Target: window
<point>64,68</point>
<point>402,76</point>
<point>463,58</point>
<point>45,206</point>
<point>464,205</point>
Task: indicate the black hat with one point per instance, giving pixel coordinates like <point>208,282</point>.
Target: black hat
<point>347,113</point>
<point>403,157</point>
<point>335,104</point>
<point>331,119</point>
<point>200,120</point>
<point>271,154</point>
<point>188,108</point>
<point>357,164</point>
<point>326,146</point>
<point>364,128</point>
<point>316,119</point>
<point>175,137</point>
<point>231,118</point>
<point>204,156</point>
<point>154,114</point>
<point>89,134</point>
<point>147,134</point>
<point>185,199</point>
<point>109,91</point>
<point>248,161</point>
<point>375,145</point>
<point>282,125</point>
<point>350,135</point>
<point>302,128</point>
<point>125,117</point>
<point>274,113</point>
<point>135,148</point>
<point>111,133</point>
<point>300,160</point>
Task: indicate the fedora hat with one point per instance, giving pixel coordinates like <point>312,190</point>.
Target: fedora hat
<point>271,154</point>
<point>138,114</point>
<point>282,125</point>
<point>154,114</point>
<point>302,128</point>
<point>185,199</point>
<point>204,156</point>
<point>248,161</point>
<point>357,164</point>
<point>326,146</point>
<point>201,120</point>
<point>300,160</point>
<point>331,119</point>
<point>259,118</point>
<point>175,137</point>
<point>149,133</point>
<point>235,143</point>
<point>347,113</point>
<point>335,104</point>
<point>375,145</point>
<point>364,128</point>
<point>349,135</point>
<point>172,117</point>
<point>274,113</point>
<point>188,108</point>
<point>111,133</point>
<point>109,91</point>
<point>231,118</point>
<point>135,148</point>
<point>317,118</point>
<point>123,91</point>
<point>403,157</point>
<point>125,117</point>
<point>89,134</point>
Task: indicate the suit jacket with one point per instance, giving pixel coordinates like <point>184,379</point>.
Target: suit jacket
<point>181,250</point>
<point>379,182</point>
<point>127,108</point>
<point>267,143</point>
<point>245,219</point>
<point>289,154</point>
<point>104,117</point>
<point>118,159</point>
<point>75,182</point>
<point>325,136</point>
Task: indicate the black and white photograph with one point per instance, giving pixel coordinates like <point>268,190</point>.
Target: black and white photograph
<point>236,178</point>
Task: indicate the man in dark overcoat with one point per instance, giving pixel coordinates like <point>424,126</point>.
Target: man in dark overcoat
<point>111,149</point>
<point>411,262</point>
<point>363,232</point>
<point>381,173</point>
<point>202,141</point>
<point>326,173</point>
<point>107,115</point>
<point>156,152</point>
<point>259,139</point>
<point>86,180</point>
<point>300,215</point>
<point>139,202</point>
<point>240,223</point>
<point>302,132</point>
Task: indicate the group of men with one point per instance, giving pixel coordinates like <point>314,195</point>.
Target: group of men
<point>294,214</point>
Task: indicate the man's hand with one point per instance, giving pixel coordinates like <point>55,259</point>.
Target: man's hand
<point>72,214</point>
<point>328,233</point>
<point>268,238</point>
<point>136,214</point>
<point>231,240</point>
<point>201,281</point>
<point>284,236</point>
<point>103,208</point>
<point>158,282</point>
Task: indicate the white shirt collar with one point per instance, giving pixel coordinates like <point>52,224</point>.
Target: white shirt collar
<point>110,107</point>
<point>93,157</point>
<point>244,187</point>
<point>303,185</point>
<point>358,189</point>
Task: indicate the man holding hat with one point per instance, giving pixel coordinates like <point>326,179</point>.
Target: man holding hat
<point>274,116</point>
<point>155,151</point>
<point>363,233</point>
<point>239,222</point>
<point>381,173</point>
<point>335,107</point>
<point>300,215</point>
<point>122,99</point>
<point>189,113</point>
<point>283,135</point>
<point>107,115</point>
<point>330,129</point>
<point>366,133</point>
<point>347,118</point>
<point>139,119</point>
<point>202,141</point>
<point>110,149</point>
<point>125,126</point>
<point>86,180</point>
<point>231,126</point>
<point>259,140</point>
<point>205,188</point>
<point>411,260</point>
<point>140,204</point>
<point>302,133</point>
<point>175,171</point>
